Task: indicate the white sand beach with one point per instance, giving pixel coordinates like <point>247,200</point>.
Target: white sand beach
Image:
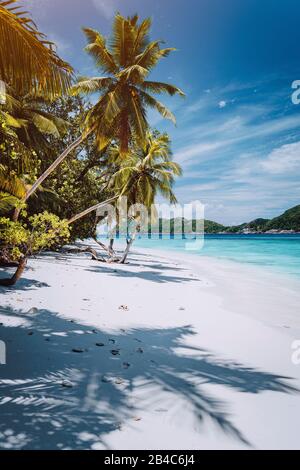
<point>171,351</point>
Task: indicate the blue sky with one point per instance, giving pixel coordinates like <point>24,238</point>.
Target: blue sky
<point>238,132</point>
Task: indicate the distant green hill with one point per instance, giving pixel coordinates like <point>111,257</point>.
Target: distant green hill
<point>290,220</point>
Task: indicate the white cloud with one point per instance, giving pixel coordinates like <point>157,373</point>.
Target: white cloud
<point>285,159</point>
<point>226,136</point>
<point>222,104</point>
<point>107,8</point>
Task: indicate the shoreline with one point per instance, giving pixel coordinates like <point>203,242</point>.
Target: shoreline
<point>193,346</point>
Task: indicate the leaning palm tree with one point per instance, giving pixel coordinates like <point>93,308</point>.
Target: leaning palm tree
<point>145,174</point>
<point>28,61</point>
<point>124,91</point>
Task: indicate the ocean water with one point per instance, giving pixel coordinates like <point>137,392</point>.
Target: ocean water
<point>278,253</point>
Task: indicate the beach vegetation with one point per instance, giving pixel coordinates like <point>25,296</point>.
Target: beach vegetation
<point>28,61</point>
<point>45,117</point>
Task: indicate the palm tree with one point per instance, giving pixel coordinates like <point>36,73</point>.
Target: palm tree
<point>27,126</point>
<point>125,94</point>
<point>146,173</point>
<point>28,62</point>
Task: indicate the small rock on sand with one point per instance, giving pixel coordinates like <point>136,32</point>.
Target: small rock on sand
<point>78,350</point>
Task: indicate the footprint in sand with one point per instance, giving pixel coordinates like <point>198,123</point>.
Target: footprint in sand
<point>124,308</point>
<point>33,310</point>
<point>115,352</point>
<point>67,384</point>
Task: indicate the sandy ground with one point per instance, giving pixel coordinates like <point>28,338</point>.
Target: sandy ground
<point>171,351</point>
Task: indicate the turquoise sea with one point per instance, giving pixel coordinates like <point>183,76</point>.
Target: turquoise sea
<point>279,253</point>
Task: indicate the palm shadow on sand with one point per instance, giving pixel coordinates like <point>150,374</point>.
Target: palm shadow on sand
<point>41,410</point>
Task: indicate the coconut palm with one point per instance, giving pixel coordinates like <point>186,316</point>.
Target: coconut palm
<point>146,173</point>
<point>27,127</point>
<point>143,175</point>
<point>125,92</point>
<point>28,62</point>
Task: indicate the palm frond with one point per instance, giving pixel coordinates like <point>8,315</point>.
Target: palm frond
<point>152,55</point>
<point>139,120</point>
<point>155,104</point>
<point>91,85</point>
<point>159,87</point>
<point>45,125</point>
<point>142,39</point>
<point>7,203</point>
<point>12,185</point>
<point>112,108</point>
<point>11,120</point>
<point>171,167</point>
<point>133,73</point>
<point>122,43</point>
<point>98,50</point>
<point>27,60</point>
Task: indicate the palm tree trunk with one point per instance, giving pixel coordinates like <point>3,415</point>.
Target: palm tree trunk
<point>16,214</point>
<point>109,249</point>
<point>55,164</point>
<point>128,248</point>
<point>51,168</point>
<point>13,280</point>
<point>90,209</point>
<point>126,252</point>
